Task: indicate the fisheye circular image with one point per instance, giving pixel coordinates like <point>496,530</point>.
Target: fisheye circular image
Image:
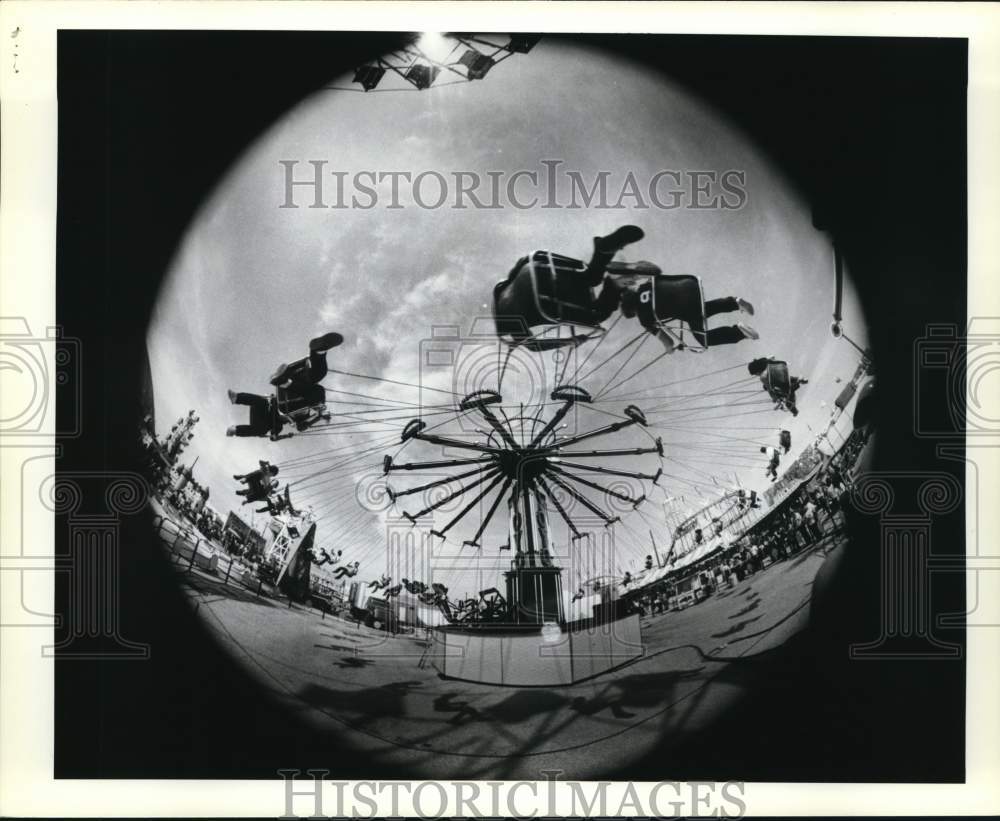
<point>492,436</point>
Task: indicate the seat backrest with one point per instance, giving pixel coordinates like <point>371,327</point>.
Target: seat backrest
<point>293,402</point>
<point>558,282</point>
<point>778,381</point>
<point>670,302</point>
<point>549,289</point>
<point>514,307</point>
<point>679,296</point>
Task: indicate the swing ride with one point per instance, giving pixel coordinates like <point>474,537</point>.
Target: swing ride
<point>547,292</point>
<point>432,60</point>
<point>519,457</point>
<point>502,479</point>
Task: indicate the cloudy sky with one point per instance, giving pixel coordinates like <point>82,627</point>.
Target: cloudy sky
<point>252,282</point>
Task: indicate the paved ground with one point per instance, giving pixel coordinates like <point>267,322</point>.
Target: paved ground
<point>376,693</point>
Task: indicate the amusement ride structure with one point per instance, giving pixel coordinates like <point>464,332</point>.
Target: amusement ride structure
<point>565,501</point>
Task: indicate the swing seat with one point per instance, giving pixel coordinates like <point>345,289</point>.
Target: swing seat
<point>632,273</point>
<point>532,305</point>
<point>674,304</point>
<point>255,487</point>
<point>297,406</point>
<point>777,380</point>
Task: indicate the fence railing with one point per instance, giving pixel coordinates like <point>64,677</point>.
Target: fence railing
<point>185,543</point>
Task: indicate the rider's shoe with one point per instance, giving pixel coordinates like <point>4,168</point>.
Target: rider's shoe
<point>747,331</point>
<point>231,430</point>
<point>325,342</point>
<point>279,375</point>
<point>619,238</point>
<point>232,396</point>
<point>745,306</point>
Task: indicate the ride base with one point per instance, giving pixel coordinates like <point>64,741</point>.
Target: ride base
<point>551,655</point>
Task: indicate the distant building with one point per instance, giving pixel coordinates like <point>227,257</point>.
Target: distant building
<point>239,532</point>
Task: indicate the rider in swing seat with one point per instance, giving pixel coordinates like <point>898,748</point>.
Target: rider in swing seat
<point>298,399</point>
<point>680,298</point>
<point>348,570</point>
<point>299,393</point>
<point>281,503</point>
<point>261,494</point>
<point>327,558</point>
<point>565,288</point>
<point>259,488</point>
<point>775,379</point>
<point>265,420</point>
<point>256,477</point>
<point>772,465</point>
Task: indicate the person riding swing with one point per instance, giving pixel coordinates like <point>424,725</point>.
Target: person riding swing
<point>299,398</point>
<point>663,299</point>
<point>551,289</point>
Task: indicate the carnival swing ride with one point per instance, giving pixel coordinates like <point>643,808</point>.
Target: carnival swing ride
<point>590,485</point>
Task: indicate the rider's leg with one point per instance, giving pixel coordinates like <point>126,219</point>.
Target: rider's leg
<point>607,301</point>
<point>321,344</point>
<point>605,249</point>
<point>727,304</point>
<point>250,399</point>
<point>729,335</point>
<point>299,373</point>
<point>310,370</point>
<point>317,366</point>
<point>317,354</point>
<point>721,306</point>
<point>259,422</point>
<point>245,430</point>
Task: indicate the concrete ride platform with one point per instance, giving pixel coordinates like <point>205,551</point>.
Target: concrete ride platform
<point>535,656</point>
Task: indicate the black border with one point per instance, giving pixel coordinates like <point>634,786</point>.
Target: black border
<point>872,130</point>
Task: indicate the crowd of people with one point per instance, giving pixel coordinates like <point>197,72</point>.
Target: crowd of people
<point>811,513</point>
<point>203,519</point>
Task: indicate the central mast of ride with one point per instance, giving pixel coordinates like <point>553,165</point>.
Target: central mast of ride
<point>531,464</point>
